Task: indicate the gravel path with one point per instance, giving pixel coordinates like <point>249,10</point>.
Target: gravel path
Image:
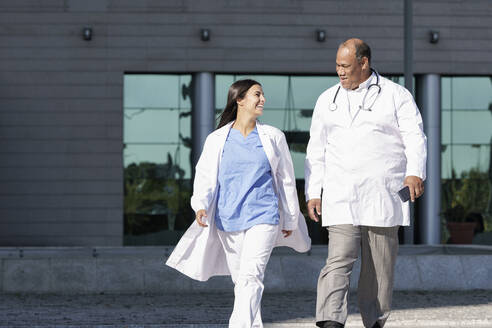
<point>411,309</point>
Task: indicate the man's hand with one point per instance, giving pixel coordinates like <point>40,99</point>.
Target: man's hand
<point>199,215</point>
<point>314,205</point>
<point>416,186</point>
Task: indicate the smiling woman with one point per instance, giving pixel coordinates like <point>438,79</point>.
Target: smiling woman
<point>245,200</point>
<point>240,90</point>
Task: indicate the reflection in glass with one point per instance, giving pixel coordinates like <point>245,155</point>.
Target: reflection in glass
<point>464,158</point>
<point>153,90</point>
<point>222,84</point>
<point>152,119</point>
<point>156,158</point>
<point>307,89</point>
<point>158,154</point>
<point>474,127</point>
<point>466,93</point>
<point>466,153</point>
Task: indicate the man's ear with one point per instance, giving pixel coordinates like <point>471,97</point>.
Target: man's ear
<point>365,64</point>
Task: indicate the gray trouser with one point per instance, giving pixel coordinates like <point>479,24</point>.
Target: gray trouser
<point>379,247</point>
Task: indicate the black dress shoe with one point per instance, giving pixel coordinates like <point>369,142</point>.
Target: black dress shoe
<point>376,325</point>
<point>329,324</point>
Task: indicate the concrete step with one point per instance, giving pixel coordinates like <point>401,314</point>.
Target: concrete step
<point>82,270</point>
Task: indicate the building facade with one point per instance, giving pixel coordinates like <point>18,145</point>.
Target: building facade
<point>104,104</point>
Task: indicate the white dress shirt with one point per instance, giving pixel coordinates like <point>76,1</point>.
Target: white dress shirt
<point>361,157</point>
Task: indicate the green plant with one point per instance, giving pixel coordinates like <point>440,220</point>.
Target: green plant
<point>156,197</point>
<point>461,196</point>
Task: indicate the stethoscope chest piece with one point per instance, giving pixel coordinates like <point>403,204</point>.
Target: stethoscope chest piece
<point>333,107</point>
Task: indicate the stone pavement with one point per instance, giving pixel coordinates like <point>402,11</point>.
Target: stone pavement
<point>205,309</point>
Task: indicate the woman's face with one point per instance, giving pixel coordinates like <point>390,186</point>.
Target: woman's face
<point>253,101</point>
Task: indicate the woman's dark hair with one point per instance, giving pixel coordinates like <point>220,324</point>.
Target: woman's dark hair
<point>236,92</point>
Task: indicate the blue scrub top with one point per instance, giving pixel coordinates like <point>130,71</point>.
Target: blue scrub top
<point>246,196</point>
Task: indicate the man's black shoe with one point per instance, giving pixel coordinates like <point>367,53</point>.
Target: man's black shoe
<point>376,325</point>
<point>329,324</point>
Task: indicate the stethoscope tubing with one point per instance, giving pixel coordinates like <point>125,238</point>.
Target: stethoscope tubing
<point>333,106</point>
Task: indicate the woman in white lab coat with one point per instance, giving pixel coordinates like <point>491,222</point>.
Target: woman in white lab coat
<point>245,200</point>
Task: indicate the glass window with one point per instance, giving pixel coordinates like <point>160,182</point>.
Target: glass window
<point>466,93</point>
<point>466,124</point>
<point>156,158</point>
<point>466,154</point>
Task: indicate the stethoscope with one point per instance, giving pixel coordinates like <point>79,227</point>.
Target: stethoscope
<point>333,106</point>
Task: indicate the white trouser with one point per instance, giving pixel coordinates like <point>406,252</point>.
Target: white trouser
<point>247,254</point>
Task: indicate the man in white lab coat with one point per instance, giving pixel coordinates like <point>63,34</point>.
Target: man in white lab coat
<point>366,143</point>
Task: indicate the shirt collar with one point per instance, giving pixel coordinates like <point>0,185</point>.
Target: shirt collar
<point>366,83</point>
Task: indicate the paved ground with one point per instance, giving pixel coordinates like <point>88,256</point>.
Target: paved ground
<point>200,310</point>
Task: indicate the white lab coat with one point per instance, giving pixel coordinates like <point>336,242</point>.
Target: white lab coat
<point>361,160</point>
<point>199,253</point>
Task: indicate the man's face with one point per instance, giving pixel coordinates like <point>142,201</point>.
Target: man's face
<point>349,69</point>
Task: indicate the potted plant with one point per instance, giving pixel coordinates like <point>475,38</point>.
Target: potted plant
<point>461,197</point>
<point>461,231</point>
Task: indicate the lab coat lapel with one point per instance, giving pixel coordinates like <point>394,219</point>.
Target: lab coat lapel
<point>222,135</point>
<point>370,99</point>
<point>341,115</point>
<point>268,147</point>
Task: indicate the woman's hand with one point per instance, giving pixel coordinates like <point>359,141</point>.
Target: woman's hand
<point>287,233</point>
<point>199,215</point>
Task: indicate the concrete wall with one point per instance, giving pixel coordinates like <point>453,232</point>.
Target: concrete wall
<point>61,171</point>
<point>142,269</point>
